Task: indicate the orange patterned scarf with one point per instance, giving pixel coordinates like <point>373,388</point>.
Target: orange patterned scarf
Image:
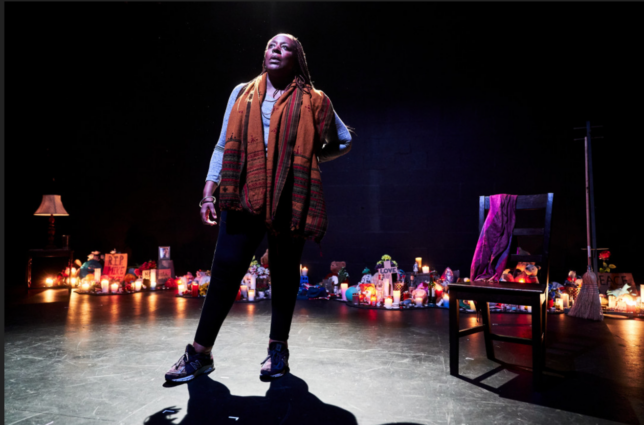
<point>253,179</point>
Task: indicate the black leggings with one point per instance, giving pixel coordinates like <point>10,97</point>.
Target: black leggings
<point>240,234</point>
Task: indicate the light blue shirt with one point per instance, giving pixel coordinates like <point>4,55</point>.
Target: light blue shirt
<point>338,140</point>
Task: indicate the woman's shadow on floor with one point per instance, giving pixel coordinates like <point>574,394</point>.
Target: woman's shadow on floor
<point>287,401</point>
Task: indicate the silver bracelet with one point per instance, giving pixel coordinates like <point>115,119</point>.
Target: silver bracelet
<point>207,197</point>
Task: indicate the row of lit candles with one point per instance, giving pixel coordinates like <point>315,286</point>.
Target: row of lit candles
<point>419,263</point>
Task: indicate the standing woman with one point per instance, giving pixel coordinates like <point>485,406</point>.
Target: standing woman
<point>276,130</point>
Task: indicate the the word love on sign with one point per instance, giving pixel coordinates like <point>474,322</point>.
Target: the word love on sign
<point>115,265</point>
<point>387,271</point>
<point>608,281</point>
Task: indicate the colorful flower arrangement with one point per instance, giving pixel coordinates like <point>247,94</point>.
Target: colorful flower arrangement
<point>148,265</point>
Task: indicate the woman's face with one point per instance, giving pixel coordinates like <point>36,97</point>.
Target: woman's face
<point>280,55</point>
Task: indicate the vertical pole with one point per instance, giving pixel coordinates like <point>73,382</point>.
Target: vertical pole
<point>592,199</point>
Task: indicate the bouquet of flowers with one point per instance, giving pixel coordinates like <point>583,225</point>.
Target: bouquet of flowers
<point>148,265</point>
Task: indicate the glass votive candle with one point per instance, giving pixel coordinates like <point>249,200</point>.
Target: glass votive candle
<point>137,284</point>
<point>105,286</point>
<point>115,288</point>
<point>251,295</point>
<point>425,269</point>
<point>419,301</point>
<point>85,287</point>
<point>180,289</point>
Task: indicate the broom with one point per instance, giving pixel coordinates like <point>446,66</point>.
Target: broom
<point>587,305</point>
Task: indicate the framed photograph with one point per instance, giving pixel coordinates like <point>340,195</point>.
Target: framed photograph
<point>164,253</point>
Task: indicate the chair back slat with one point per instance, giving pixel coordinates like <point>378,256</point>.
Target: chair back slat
<point>526,258</point>
<point>528,232</point>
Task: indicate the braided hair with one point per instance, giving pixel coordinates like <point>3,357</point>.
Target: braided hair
<point>302,75</point>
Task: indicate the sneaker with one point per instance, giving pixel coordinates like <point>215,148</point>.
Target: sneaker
<point>190,365</point>
<point>276,364</point>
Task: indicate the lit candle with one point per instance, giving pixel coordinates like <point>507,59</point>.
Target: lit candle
<point>153,277</point>
<point>97,275</point>
<point>472,306</point>
<point>73,281</point>
<point>343,288</point>
<point>388,302</point>
<point>180,288</point>
<point>419,262</point>
<point>253,281</point>
<point>305,271</point>
<point>195,289</point>
<point>85,286</point>
<point>373,300</point>
<point>439,291</point>
<point>251,295</point>
<point>559,303</point>
<point>49,281</point>
<point>153,285</point>
<point>105,286</point>
<point>137,285</point>
<point>396,297</point>
<point>115,288</point>
<point>244,291</point>
<point>419,301</point>
<point>612,301</point>
<point>425,269</point>
<point>566,300</point>
<point>630,306</point>
<point>446,300</point>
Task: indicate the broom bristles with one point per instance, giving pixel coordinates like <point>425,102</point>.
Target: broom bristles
<point>588,305</point>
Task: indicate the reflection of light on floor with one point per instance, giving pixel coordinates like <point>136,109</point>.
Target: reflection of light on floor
<point>181,308</point>
<point>152,307</point>
<point>114,307</point>
<point>251,311</point>
<point>79,314</point>
<point>500,378</point>
<point>49,296</point>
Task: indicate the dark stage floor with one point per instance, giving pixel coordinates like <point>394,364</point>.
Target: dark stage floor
<point>92,360</point>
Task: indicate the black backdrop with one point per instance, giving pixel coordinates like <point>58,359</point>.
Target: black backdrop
<point>117,107</point>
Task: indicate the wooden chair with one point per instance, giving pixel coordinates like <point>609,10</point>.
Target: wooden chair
<point>533,295</point>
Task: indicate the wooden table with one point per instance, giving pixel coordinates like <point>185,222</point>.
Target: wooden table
<point>482,292</point>
<point>48,253</point>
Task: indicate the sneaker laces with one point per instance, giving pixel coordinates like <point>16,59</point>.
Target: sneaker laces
<point>276,357</point>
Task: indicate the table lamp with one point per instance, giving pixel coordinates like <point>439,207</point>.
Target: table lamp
<point>51,206</point>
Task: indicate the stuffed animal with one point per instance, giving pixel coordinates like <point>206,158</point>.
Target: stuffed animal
<point>336,266</point>
<point>531,272</point>
<point>366,276</point>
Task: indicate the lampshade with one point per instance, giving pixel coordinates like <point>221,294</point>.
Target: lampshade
<point>51,205</point>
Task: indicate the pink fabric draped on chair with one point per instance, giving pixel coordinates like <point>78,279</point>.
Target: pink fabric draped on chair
<point>493,248</point>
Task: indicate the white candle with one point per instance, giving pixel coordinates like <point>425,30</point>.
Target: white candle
<point>244,291</point>
<point>425,269</point>
<point>115,288</point>
<point>105,286</point>
<point>253,281</point>
<point>566,300</point>
<point>85,286</point>
<point>397,297</point>
<point>73,281</point>
<point>137,285</point>
<point>153,285</point>
<point>49,281</point>
<point>305,271</point>
<point>388,302</point>
<point>559,303</point>
<point>612,301</point>
<point>181,288</point>
<point>419,262</point>
<point>251,295</point>
<point>343,288</point>
<point>97,275</point>
<point>153,276</point>
<point>419,302</point>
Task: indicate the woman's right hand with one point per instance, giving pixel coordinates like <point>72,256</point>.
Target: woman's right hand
<point>208,211</point>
